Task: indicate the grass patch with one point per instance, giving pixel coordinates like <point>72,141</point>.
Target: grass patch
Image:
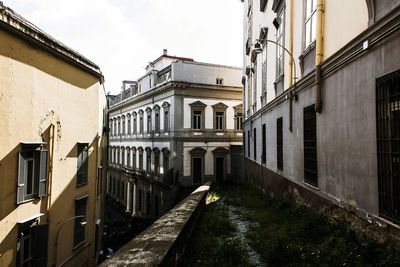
<point>214,242</point>
<point>286,234</point>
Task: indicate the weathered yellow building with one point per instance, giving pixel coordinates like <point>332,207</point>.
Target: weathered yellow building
<point>51,117</point>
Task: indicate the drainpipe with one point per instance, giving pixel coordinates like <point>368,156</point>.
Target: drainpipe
<point>291,66</point>
<point>319,48</point>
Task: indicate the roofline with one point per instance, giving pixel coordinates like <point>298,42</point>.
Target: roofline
<point>171,57</point>
<point>14,23</point>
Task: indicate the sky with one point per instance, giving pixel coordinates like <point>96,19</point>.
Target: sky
<point>122,36</point>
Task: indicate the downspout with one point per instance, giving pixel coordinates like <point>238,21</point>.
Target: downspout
<point>319,54</point>
<point>291,66</point>
<point>50,175</point>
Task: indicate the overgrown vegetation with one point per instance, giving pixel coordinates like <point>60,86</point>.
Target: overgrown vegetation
<point>214,242</point>
<point>284,234</point>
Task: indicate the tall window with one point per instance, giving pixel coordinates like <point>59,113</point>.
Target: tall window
<point>156,161</point>
<point>79,227</point>
<point>122,156</point>
<point>310,22</point>
<point>280,32</point>
<point>255,143</point>
<point>141,159</point>
<point>219,116</point>
<point>32,244</point>
<point>115,127</point>
<point>197,119</point>
<point>264,144</point>
<point>248,144</point>
<point>238,117</point>
<point>134,116</point>
<point>32,174</point>
<point>148,160</point>
<point>82,165</point>
<point>156,118</point>
<point>133,157</point>
<point>279,143</point>
<point>119,126</point>
<point>165,106</point>
<point>310,146</point>
<point>140,121</point>
<point>129,123</point>
<point>128,157</point>
<point>198,109</point>
<point>123,125</point>
<point>149,126</point>
<point>111,127</point>
<point>166,162</point>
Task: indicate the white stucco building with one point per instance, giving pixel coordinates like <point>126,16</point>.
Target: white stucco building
<point>175,125</point>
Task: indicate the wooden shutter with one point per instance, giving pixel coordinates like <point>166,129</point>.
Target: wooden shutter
<point>21,177</point>
<point>43,173</point>
<point>39,244</point>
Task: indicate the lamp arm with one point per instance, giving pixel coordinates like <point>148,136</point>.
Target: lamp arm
<point>287,51</point>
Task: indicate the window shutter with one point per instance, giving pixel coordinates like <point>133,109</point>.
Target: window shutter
<point>39,244</point>
<point>79,173</point>
<point>43,173</point>
<point>85,164</point>
<point>21,177</point>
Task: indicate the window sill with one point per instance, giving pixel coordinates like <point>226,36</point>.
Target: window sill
<point>307,50</point>
<point>279,78</point>
<point>29,200</point>
<point>311,186</point>
<point>82,184</point>
<point>79,245</point>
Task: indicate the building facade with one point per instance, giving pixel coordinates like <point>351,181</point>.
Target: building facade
<point>320,100</point>
<point>50,197</point>
<point>176,125</point>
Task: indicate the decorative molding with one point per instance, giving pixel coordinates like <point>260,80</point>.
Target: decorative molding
<point>198,151</point>
<point>198,104</point>
<point>371,12</point>
<point>220,105</point>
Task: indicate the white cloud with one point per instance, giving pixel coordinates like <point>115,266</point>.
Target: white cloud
<point>121,36</point>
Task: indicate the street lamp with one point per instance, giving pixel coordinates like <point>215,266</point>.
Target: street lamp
<point>258,49</point>
<point>82,223</point>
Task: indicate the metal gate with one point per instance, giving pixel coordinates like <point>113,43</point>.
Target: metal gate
<point>279,143</point>
<point>388,144</point>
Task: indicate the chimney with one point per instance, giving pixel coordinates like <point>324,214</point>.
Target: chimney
<point>165,51</point>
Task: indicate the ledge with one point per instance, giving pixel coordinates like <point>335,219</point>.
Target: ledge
<point>163,243</point>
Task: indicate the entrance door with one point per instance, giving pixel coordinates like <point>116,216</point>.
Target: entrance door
<point>197,170</point>
<point>219,169</point>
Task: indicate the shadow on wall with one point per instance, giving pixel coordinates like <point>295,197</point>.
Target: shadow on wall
<point>6,251</point>
<point>21,51</point>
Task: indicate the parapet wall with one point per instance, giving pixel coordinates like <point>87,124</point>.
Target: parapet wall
<point>164,242</point>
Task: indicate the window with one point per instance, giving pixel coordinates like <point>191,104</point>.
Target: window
<point>133,157</point>
<point>279,143</point>
<point>115,127</point>
<point>255,143</point>
<point>219,120</point>
<point>140,121</point>
<point>128,157</point>
<point>148,160</point>
<point>197,164</point>
<point>82,168</point>
<point>149,126</point>
<point>32,173</point>
<point>388,141</point>
<point>310,146</point>
<point>198,115</point>
<point>141,159</point>
<point>219,116</point>
<point>264,144</point>
<point>166,120</point>
<point>122,156</point>
<point>280,40</point>
<point>156,118</point>
<point>165,152</point>
<point>118,156</point>
<point>219,81</point>
<point>248,143</point>
<point>123,125</point>
<point>156,162</point>
<point>310,9</point>
<point>32,244</point>
<point>134,122</point>
<point>111,127</point>
<point>79,227</point>
<point>165,106</point>
<point>148,203</point>
<point>119,126</point>
<point>129,124</point>
<point>238,117</point>
<point>114,155</point>
<point>244,143</point>
<point>263,4</point>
